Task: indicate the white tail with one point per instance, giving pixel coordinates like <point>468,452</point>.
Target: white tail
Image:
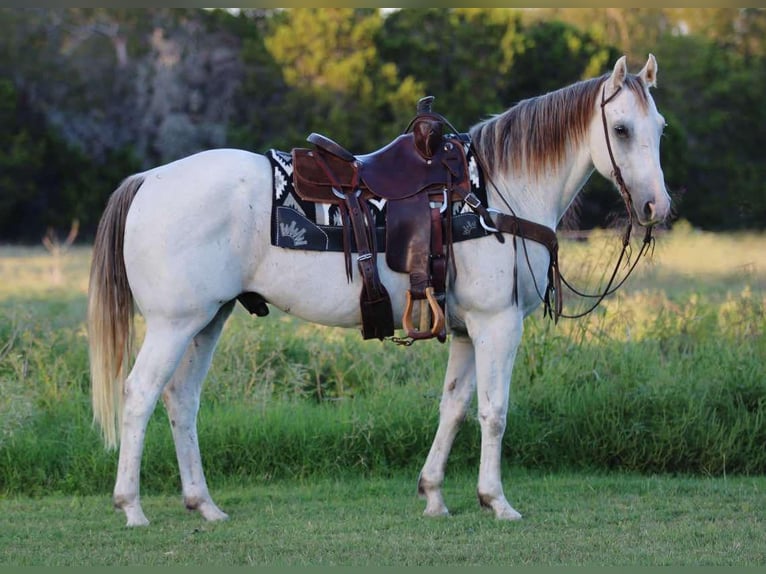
<point>110,313</point>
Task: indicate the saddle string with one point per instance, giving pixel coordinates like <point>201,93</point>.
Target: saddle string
<point>366,241</point>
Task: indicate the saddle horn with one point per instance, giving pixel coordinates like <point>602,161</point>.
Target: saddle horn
<point>424,104</point>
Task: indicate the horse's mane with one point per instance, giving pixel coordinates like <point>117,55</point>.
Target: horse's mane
<point>534,134</point>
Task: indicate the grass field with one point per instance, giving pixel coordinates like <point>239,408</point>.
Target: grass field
<point>635,435</point>
<point>570,519</point>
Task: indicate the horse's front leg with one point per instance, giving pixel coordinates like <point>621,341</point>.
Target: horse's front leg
<point>459,384</point>
<point>496,338</point>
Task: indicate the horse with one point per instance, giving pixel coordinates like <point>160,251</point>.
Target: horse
<point>180,242</point>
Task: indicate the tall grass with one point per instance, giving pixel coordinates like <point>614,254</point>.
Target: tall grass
<point>667,376</point>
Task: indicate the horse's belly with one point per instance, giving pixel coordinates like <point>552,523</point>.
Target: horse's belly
<point>313,286</point>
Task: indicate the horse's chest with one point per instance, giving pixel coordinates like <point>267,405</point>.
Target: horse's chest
<point>487,272</point>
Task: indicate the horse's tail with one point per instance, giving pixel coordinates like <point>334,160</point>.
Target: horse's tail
<point>110,313</point>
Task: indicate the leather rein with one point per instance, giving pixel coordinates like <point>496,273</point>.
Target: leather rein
<point>521,228</point>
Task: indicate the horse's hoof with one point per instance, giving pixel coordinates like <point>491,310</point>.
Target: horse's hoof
<point>436,512</point>
<point>500,506</point>
<point>212,513</point>
<point>136,519</point>
<point>135,515</point>
<point>508,514</point>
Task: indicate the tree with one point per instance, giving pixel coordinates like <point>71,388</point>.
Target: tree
<point>43,181</point>
<point>91,95</point>
<point>717,98</point>
<point>336,80</point>
<point>633,32</point>
<point>463,57</point>
<point>555,54</point>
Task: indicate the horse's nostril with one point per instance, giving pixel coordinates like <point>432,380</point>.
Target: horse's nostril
<point>649,210</point>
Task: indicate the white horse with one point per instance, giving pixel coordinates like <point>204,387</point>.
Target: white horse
<point>183,240</point>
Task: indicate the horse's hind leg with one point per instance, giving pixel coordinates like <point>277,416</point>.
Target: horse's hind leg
<point>182,400</point>
<point>162,349</point>
<point>459,384</point>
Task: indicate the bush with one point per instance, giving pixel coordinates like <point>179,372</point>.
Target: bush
<point>656,381</point>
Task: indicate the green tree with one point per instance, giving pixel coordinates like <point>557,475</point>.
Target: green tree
<point>742,30</point>
<point>20,160</point>
<point>555,54</point>
<point>45,181</point>
<point>716,96</point>
<point>463,57</point>
<point>258,121</point>
<point>333,79</point>
<point>633,32</point>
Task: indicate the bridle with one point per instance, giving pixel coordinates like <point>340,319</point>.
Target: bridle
<point>552,298</point>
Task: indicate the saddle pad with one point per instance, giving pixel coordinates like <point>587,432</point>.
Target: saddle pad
<point>304,225</point>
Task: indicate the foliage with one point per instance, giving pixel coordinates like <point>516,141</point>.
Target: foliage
<point>339,82</point>
<point>45,182</point>
<point>440,49</point>
<point>664,378</point>
<point>92,95</point>
<point>722,125</point>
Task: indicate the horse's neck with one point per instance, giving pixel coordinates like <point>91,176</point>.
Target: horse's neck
<point>544,198</point>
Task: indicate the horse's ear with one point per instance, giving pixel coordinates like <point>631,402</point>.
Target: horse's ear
<point>648,74</point>
<point>619,73</point>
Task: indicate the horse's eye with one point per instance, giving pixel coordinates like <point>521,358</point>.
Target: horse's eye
<point>621,131</point>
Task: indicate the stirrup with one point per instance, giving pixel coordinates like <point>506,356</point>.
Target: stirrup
<point>437,316</point>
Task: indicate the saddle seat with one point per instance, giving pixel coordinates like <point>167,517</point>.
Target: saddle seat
<point>419,174</point>
<point>395,171</point>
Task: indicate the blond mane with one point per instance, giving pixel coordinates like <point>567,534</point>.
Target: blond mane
<point>534,134</point>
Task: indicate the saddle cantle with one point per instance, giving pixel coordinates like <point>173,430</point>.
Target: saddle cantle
<point>419,174</point>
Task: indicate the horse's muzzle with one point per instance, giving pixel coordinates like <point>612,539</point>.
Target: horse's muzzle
<point>652,214</point>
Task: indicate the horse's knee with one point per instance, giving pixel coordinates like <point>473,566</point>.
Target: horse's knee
<point>453,413</point>
<point>120,501</point>
<point>426,486</point>
<point>493,421</point>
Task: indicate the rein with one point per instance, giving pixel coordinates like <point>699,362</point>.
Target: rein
<point>552,298</point>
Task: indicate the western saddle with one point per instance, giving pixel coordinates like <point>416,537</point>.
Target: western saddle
<point>419,174</point>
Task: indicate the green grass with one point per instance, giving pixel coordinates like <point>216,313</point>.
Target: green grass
<point>569,519</point>
<point>635,435</point>
<point>661,379</point>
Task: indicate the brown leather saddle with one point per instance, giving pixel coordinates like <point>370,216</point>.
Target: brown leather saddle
<point>419,174</point>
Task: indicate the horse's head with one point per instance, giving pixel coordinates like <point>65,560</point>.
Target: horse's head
<point>627,121</point>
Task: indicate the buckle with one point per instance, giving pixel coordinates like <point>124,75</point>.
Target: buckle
<point>472,200</point>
